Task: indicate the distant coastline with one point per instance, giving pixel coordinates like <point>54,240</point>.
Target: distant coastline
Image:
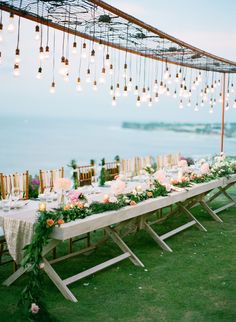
<point>196,128</point>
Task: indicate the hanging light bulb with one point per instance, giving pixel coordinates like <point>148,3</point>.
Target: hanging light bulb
<point>113,101</point>
<point>117,94</point>
<point>219,82</point>
<point>92,56</point>
<point>130,84</point>
<point>212,88</point>
<point>17,56</point>
<point>16,71</point>
<point>155,87</point>
<point>148,93</point>
<point>161,88</point>
<point>144,95</point>
<point>232,88</point>
<point>168,91</point>
<point>207,89</point>
<point>190,93</point>
<point>39,74</point>
<point>202,103</point>
<point>74,48</point>
<point>180,73</point>
<point>150,102</point>
<point>125,93</point>
<point>189,103</point>
<point>234,105</point>
<point>169,81</point>
<point>166,73</point>
<point>111,69</point>
<point>175,94</point>
<point>136,90</point>
<point>0,57</point>
<point>53,88</point>
<point>107,60</point>
<point>220,99</point>
<point>46,53</point>
<point>95,88</point>
<point>125,71</point>
<point>138,102</point>
<point>184,81</point>
<point>41,53</point>
<point>88,76</point>
<point>111,90</point>
<point>66,77</point>
<point>84,51</point>
<point>227,106</point>
<point>214,102</point>
<point>200,77</point>
<point>62,70</point>
<point>79,87</point>
<point>103,75</point>
<point>211,109</point>
<point>181,104</point>
<point>177,77</point>
<point>1,32</point>
<point>215,84</point>
<point>196,108</point>
<point>11,26</point>
<point>100,45</point>
<point>156,98</point>
<point>37,32</point>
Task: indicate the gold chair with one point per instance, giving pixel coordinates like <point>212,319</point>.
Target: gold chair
<point>48,178</point>
<point>86,173</point>
<point>12,182</point>
<point>112,170</point>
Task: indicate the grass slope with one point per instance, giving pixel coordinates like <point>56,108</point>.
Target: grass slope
<point>197,282</point>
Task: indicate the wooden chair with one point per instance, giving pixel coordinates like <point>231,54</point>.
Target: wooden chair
<point>86,173</point>
<point>112,170</point>
<point>48,178</point>
<point>9,183</point>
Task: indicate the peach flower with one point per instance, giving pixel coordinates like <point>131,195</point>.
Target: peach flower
<point>60,222</point>
<point>132,203</point>
<point>34,308</point>
<point>50,222</point>
<point>106,199</point>
<point>80,205</point>
<point>168,187</point>
<point>183,164</point>
<point>149,194</point>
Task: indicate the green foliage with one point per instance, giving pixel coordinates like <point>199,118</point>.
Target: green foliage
<point>102,177</point>
<point>74,176</point>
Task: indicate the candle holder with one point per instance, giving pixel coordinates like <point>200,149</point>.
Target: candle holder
<point>42,206</point>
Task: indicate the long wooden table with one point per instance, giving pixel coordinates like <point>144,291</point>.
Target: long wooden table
<point>139,216</point>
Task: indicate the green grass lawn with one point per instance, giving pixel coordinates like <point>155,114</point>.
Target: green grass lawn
<point>197,282</point>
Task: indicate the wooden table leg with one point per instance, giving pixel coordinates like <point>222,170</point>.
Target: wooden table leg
<point>122,245</point>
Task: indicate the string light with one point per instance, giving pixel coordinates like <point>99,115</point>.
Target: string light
<point>138,103</point>
<point>11,26</point>
<point>113,101</point>
<point>0,57</point>
<point>79,87</point>
<point>88,76</point>
<point>1,32</point>
<point>95,88</point>
<point>234,105</point>
<point>84,50</point>
<point>53,88</point>
<point>92,56</point>
<point>39,74</point>
<point>16,71</point>
<point>37,32</point>
<point>74,48</point>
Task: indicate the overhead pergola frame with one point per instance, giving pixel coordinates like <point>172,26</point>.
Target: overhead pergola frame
<point>99,22</point>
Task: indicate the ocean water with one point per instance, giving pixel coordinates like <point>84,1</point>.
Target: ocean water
<point>44,143</point>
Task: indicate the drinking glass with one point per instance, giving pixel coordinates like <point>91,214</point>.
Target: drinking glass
<point>6,205</point>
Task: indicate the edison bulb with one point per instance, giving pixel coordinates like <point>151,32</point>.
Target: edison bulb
<point>11,26</point>
<point>53,88</point>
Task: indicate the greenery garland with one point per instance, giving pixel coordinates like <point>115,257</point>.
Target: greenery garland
<point>32,296</point>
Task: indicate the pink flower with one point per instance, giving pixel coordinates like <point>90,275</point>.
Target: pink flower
<point>117,186</point>
<point>74,195</point>
<point>34,308</point>
<point>168,187</point>
<point>205,168</point>
<point>63,184</point>
<point>183,164</point>
<point>106,199</point>
<point>160,176</point>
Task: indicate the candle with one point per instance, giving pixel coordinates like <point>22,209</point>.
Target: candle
<point>42,206</point>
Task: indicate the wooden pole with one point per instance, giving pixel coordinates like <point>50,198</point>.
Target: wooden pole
<point>223,114</point>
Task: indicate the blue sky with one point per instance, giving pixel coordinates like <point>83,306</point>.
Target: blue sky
<point>209,25</point>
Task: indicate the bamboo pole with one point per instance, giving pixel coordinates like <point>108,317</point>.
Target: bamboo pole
<point>223,114</point>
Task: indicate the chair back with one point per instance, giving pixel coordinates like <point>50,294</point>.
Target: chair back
<point>48,178</point>
<point>86,173</point>
<point>12,182</point>
<point>168,160</point>
<point>112,170</point>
